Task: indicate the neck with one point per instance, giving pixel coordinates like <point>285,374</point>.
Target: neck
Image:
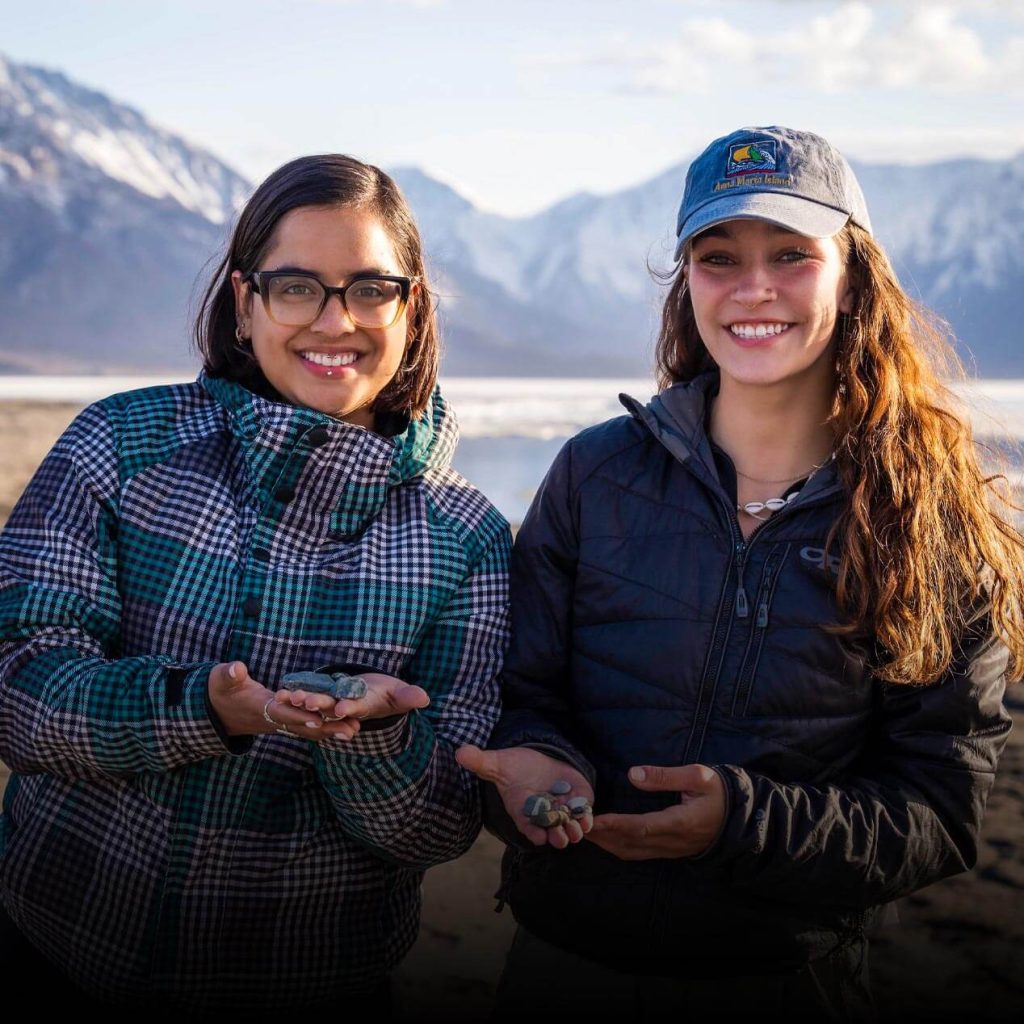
<point>773,433</point>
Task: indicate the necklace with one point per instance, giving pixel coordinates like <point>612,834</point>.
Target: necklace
<point>784,480</point>
<point>755,508</point>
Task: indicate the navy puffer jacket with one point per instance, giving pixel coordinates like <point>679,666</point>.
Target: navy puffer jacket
<point>647,631</point>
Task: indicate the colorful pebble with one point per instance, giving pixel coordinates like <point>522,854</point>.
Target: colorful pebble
<point>560,788</point>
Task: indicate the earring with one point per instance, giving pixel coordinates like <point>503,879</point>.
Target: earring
<point>242,343</point>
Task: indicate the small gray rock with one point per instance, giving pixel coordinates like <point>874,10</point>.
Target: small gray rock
<point>536,804</point>
<point>560,788</point>
<point>578,806</point>
<point>338,685</point>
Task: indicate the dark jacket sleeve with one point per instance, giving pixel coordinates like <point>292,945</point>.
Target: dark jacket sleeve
<point>909,812</point>
<point>535,683</point>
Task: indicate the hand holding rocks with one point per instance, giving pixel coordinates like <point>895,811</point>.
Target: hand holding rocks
<point>520,773</point>
<point>382,697</point>
<point>684,830</point>
<point>244,707</point>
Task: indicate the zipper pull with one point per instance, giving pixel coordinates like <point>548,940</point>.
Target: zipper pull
<point>762,615</point>
<point>742,604</point>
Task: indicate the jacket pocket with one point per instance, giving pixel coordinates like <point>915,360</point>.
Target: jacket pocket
<point>762,613</point>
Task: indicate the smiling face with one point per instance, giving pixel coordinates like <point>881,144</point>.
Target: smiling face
<point>330,365</point>
<point>766,302</point>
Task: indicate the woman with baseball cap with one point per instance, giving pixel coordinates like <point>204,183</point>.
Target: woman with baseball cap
<point>763,624</point>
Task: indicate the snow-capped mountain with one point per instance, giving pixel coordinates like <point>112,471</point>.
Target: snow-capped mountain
<point>105,222</point>
<point>109,225</point>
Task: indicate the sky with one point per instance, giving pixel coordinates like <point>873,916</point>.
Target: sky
<point>518,105</point>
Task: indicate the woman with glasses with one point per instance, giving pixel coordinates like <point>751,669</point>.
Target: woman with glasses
<point>187,828</point>
<point>762,624</point>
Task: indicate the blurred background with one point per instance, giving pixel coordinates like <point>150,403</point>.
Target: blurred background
<point>543,149</point>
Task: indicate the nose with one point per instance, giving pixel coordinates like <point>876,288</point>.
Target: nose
<point>754,286</point>
<point>334,319</point>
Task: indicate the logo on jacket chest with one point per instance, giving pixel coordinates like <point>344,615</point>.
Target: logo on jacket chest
<point>817,558</point>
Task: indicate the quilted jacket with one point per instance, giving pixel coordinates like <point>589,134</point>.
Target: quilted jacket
<point>146,853</point>
<point>646,630</point>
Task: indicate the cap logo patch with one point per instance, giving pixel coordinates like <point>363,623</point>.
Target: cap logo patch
<point>750,158</point>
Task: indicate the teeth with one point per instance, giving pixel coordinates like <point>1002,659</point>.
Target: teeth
<point>322,359</point>
<point>759,331</point>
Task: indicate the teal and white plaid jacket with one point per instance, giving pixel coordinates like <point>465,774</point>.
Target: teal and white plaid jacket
<point>143,851</point>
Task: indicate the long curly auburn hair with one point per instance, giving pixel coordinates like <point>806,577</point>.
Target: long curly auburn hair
<point>927,539</point>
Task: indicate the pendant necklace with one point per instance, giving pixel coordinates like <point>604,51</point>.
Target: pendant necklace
<point>755,508</point>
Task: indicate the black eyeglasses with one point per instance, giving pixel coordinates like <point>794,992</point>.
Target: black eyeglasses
<point>294,298</point>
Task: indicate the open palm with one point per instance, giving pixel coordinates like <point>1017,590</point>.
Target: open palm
<point>518,773</point>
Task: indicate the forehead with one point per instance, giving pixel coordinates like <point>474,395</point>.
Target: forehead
<point>331,240</point>
<point>749,227</point>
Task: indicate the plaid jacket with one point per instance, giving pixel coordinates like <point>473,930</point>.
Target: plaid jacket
<point>172,528</point>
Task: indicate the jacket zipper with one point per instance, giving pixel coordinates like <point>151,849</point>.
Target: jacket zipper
<point>741,608</point>
<point>752,655</point>
<point>741,551</point>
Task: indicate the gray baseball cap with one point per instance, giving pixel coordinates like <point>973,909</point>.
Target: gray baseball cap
<point>794,179</point>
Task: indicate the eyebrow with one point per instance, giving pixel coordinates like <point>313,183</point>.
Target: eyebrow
<point>290,268</point>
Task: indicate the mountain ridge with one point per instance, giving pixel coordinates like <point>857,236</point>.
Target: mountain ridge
<point>108,224</point>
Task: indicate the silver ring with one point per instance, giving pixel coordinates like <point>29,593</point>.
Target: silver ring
<point>266,713</point>
<point>278,726</point>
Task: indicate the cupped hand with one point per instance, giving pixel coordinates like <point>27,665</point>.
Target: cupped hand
<point>683,830</point>
<point>519,772</point>
<point>239,700</point>
<point>385,696</point>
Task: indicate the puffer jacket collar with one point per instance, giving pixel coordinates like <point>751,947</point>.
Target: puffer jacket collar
<point>676,418</point>
<point>347,469</point>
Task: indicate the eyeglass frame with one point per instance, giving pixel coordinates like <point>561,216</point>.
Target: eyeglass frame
<point>255,281</point>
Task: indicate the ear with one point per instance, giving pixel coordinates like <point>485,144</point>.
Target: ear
<point>848,296</point>
<point>243,296</point>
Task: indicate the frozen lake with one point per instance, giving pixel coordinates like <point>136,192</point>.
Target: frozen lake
<point>512,427</point>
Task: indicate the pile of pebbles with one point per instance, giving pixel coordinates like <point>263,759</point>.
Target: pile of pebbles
<point>339,685</point>
<point>549,810</point>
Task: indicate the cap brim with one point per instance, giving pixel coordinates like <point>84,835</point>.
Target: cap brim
<point>803,216</point>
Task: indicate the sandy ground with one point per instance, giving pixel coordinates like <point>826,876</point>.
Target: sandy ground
<point>960,943</point>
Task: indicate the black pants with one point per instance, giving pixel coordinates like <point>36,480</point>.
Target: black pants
<point>539,976</point>
<point>27,973</point>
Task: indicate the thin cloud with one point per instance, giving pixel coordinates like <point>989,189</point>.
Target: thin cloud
<point>843,50</point>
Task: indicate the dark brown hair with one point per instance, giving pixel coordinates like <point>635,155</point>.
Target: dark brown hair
<point>926,537</point>
<point>326,180</point>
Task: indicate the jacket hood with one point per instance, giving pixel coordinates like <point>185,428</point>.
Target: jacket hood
<point>420,444</point>
<point>676,418</point>
<point>349,469</point>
